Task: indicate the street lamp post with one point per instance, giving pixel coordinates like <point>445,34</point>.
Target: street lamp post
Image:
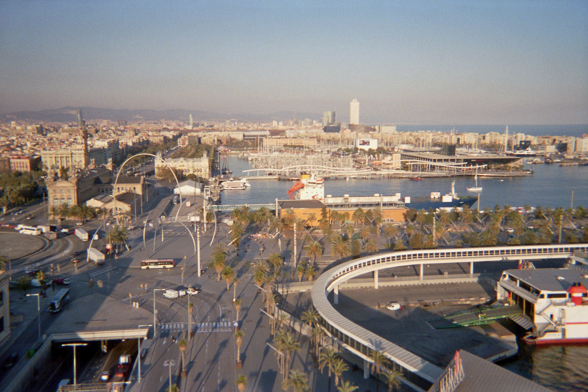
<point>169,363</point>
<point>38,312</point>
<point>154,310</point>
<point>74,345</point>
<point>139,351</point>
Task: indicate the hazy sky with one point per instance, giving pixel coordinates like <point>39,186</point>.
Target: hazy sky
<point>430,62</point>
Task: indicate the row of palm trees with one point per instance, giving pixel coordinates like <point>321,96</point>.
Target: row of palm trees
<point>82,212</point>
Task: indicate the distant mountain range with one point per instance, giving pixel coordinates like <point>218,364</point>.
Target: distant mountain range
<point>69,114</point>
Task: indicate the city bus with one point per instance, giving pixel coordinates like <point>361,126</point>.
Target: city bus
<point>30,230</point>
<point>148,264</point>
<point>59,301</point>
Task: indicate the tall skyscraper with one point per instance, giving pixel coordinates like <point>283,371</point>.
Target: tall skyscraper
<point>80,118</point>
<point>354,112</point>
<point>328,118</point>
<point>191,122</point>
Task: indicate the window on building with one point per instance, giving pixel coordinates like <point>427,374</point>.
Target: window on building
<point>1,298</point>
<point>1,324</point>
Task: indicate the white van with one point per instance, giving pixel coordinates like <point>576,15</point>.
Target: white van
<point>169,293</point>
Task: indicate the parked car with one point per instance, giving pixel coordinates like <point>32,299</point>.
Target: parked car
<point>11,360</point>
<point>105,375</point>
<point>393,306</point>
<point>62,281</point>
<point>192,291</point>
<point>32,272</point>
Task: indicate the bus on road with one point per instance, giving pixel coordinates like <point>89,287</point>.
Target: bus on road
<point>30,230</point>
<point>148,264</point>
<point>59,301</point>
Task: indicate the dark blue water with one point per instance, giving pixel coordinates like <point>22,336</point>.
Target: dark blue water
<point>561,368</point>
<point>550,186</point>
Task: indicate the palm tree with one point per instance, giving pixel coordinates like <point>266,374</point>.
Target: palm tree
<point>393,380</point>
<point>310,273</point>
<point>275,260</point>
<point>346,386</point>
<point>317,334</point>
<point>228,275</point>
<point>117,235</point>
<point>237,304</point>
<point>23,285</point>
<point>371,247</point>
<point>340,247</point>
<point>379,361</point>
<point>314,250</point>
<point>310,317</point>
<point>297,380</point>
<point>327,359</point>
<point>239,341</point>
<point>338,368</point>
<point>63,211</point>
<point>241,381</point>
<point>289,345</point>
<point>300,270</point>
<point>358,216</point>
<point>219,261</point>
<point>182,346</point>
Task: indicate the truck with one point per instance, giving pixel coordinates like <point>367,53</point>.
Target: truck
<point>122,369</point>
<point>47,228</point>
<point>96,256</point>
<point>82,234</point>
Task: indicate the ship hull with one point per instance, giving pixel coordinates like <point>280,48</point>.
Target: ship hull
<point>435,204</point>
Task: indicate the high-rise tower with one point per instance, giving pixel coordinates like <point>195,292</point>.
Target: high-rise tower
<point>354,112</point>
<point>329,118</point>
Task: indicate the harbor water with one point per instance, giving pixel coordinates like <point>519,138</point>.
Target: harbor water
<point>549,186</point>
<point>561,368</point>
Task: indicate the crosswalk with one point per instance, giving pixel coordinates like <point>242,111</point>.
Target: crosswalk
<point>221,326</point>
<point>173,327</point>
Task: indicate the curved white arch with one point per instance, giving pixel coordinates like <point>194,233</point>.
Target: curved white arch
<point>336,322</point>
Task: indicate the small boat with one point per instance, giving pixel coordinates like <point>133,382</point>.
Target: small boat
<point>416,178</point>
<point>235,184</point>
<point>475,189</point>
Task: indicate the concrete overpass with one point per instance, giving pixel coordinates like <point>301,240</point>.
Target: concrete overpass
<point>418,372</point>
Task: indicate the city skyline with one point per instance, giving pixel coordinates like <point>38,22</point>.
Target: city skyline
<point>454,62</point>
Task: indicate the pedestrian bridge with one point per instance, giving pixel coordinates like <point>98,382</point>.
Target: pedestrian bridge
<point>418,372</point>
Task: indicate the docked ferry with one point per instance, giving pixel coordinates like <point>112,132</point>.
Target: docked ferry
<point>311,188</point>
<point>554,301</point>
<point>234,184</point>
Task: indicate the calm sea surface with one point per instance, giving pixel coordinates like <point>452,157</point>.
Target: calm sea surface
<point>550,186</point>
<point>561,368</point>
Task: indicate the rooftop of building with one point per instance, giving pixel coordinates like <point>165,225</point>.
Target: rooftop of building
<point>294,204</point>
<point>550,279</point>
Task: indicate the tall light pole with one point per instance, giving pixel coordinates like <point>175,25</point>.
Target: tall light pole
<point>154,310</point>
<point>38,312</point>
<point>169,363</point>
<point>198,245</point>
<point>139,351</point>
<point>74,345</point>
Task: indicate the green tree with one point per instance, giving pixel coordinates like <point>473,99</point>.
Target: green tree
<point>228,274</point>
<point>219,259</point>
<point>338,368</point>
<point>327,360</point>
<point>393,380</point>
<point>23,284</point>
<point>340,247</point>
<point>239,341</point>
<point>241,381</point>
<point>297,380</point>
<point>346,386</point>
<point>314,250</point>
<point>379,362</point>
